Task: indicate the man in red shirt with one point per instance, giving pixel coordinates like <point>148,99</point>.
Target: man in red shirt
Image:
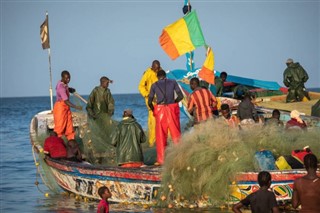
<point>54,146</point>
<point>201,103</point>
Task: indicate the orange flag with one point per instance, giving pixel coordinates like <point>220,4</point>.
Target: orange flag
<point>207,71</point>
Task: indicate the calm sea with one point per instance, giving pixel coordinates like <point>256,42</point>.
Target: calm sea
<point>18,192</point>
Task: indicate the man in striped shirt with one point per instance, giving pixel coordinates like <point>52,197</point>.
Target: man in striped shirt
<point>201,103</point>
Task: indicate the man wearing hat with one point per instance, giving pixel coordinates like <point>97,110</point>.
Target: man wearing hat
<point>127,139</point>
<point>166,112</point>
<point>100,100</point>
<point>294,78</point>
<point>100,108</point>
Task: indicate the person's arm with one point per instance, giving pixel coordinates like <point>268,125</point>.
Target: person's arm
<point>213,100</point>
<point>295,196</point>
<point>179,92</point>
<point>70,104</point>
<point>90,103</point>
<point>143,137</point>
<point>115,136</point>
<point>150,98</point>
<point>143,85</point>
<point>190,104</point>
<point>305,75</point>
<point>110,101</point>
<point>236,207</point>
<point>254,113</point>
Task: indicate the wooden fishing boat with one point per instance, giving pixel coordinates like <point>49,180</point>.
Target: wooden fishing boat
<point>83,179</point>
<point>136,185</point>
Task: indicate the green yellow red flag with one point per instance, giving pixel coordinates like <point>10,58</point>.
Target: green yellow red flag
<point>182,36</point>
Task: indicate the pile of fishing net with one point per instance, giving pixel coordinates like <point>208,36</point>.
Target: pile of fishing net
<point>198,171</point>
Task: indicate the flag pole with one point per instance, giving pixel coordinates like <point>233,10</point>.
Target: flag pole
<point>45,41</point>
<point>50,73</point>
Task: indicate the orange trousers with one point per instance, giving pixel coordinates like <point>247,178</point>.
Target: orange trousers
<point>63,120</point>
<point>167,118</point>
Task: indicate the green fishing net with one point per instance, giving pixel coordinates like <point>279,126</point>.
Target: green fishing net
<point>201,167</point>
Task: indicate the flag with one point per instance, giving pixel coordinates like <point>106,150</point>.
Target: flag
<point>44,34</point>
<point>207,71</point>
<point>182,36</point>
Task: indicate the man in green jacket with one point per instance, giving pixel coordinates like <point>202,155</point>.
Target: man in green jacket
<point>100,108</point>
<point>100,100</point>
<point>127,139</point>
<point>294,78</point>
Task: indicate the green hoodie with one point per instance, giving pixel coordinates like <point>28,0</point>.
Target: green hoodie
<point>127,138</point>
<point>295,76</point>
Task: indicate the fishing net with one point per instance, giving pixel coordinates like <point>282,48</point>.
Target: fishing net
<point>200,168</point>
<point>44,172</point>
<point>95,137</point>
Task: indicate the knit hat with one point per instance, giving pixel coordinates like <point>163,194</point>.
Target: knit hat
<point>296,115</point>
<point>128,111</point>
<point>289,61</point>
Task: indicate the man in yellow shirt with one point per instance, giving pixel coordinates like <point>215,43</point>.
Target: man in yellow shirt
<point>149,77</point>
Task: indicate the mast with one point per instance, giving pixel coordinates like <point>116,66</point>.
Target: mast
<point>45,41</point>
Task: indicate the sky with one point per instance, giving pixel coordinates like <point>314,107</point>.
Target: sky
<point>119,39</point>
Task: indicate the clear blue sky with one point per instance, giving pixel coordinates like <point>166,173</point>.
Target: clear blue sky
<point>119,39</point>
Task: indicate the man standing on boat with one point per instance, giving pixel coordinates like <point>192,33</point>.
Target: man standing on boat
<point>294,77</point>
<point>100,108</point>
<point>149,77</point>
<point>61,111</point>
<point>201,103</point>
<point>166,112</point>
<point>101,101</point>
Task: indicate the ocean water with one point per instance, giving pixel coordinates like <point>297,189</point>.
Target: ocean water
<point>18,192</point>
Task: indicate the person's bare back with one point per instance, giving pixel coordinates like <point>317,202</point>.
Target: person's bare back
<point>306,190</point>
<point>309,193</point>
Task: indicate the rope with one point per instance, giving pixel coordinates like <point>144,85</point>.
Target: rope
<point>38,173</point>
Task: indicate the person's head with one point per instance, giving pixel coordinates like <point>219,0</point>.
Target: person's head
<point>223,76</point>
<point>194,83</point>
<point>155,65</point>
<point>72,143</point>
<point>104,82</point>
<point>104,192</point>
<point>53,133</point>
<point>247,96</point>
<point>289,61</point>
<point>310,161</point>
<point>161,74</point>
<point>225,111</point>
<point>264,179</point>
<point>65,76</point>
<point>127,113</point>
<point>276,114</point>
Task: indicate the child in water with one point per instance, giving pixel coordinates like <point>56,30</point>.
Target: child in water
<point>261,201</point>
<point>104,193</point>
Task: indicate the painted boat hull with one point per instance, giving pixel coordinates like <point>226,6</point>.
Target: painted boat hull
<point>136,185</point>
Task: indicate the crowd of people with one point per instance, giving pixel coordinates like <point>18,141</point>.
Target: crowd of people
<point>162,97</point>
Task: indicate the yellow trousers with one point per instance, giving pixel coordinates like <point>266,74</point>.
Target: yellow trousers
<point>151,126</point>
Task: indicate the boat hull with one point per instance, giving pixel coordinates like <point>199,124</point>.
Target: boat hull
<point>136,185</point>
